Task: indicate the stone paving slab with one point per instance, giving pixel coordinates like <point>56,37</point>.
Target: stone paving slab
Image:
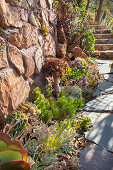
<point>102,131</point>
<point>104,87</point>
<point>102,103</point>
<point>104,68</point>
<point>94,157</point>
<point>108,77</point>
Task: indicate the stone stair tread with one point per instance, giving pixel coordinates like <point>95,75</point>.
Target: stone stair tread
<point>104,44</point>
<point>101,31</point>
<point>106,51</point>
<point>104,41</point>
<point>107,54</point>
<point>103,47</point>
<point>103,36</point>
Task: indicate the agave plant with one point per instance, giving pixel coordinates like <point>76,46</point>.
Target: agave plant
<point>12,154</point>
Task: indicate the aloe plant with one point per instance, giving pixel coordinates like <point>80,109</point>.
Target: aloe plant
<point>12,154</point>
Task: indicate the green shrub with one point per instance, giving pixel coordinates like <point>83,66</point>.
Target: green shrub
<point>87,42</point>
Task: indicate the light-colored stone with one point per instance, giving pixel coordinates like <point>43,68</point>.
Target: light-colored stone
<point>3,54</point>
<point>15,57</point>
<point>100,104</point>
<point>41,40</point>
<point>24,15</point>
<point>29,65</point>
<point>104,68</point>
<point>102,131</point>
<point>94,157</point>
<point>108,77</point>
<point>45,18</point>
<point>39,60</point>
<point>13,90</point>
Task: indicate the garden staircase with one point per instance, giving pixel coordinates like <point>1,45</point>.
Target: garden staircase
<point>103,41</point>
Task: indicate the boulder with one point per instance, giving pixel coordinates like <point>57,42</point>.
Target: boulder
<point>9,15</point>
<point>15,58</point>
<point>13,90</point>
<point>29,65</point>
<point>25,37</point>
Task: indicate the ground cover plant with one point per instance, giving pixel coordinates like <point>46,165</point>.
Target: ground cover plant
<point>51,144</point>
<point>81,78</point>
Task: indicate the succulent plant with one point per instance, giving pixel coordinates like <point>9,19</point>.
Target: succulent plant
<point>12,154</point>
<point>56,68</point>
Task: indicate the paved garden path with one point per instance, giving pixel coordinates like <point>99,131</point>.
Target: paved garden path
<point>99,156</point>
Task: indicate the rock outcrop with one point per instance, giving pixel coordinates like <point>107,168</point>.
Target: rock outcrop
<point>23,47</point>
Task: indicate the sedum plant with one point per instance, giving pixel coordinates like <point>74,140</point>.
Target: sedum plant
<point>63,107</point>
<point>12,154</point>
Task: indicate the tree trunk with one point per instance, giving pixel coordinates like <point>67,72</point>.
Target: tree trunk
<point>87,5</point>
<point>56,83</point>
<point>97,19</point>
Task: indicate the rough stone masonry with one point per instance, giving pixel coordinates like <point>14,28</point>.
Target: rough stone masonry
<point>23,48</point>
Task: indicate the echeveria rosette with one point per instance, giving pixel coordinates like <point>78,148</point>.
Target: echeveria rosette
<point>12,154</point>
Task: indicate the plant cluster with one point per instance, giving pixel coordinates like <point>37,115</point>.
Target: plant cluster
<point>61,108</point>
<point>77,71</point>
<point>44,144</point>
<point>81,75</point>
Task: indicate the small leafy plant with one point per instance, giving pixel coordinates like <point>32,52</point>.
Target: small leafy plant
<point>44,30</point>
<point>85,123</point>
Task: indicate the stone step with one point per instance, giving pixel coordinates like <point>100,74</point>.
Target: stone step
<point>103,36</point>
<point>102,31</point>
<point>103,47</point>
<point>108,54</point>
<point>104,41</point>
<point>97,26</point>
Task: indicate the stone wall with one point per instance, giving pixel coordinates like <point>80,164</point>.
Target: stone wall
<point>23,48</point>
